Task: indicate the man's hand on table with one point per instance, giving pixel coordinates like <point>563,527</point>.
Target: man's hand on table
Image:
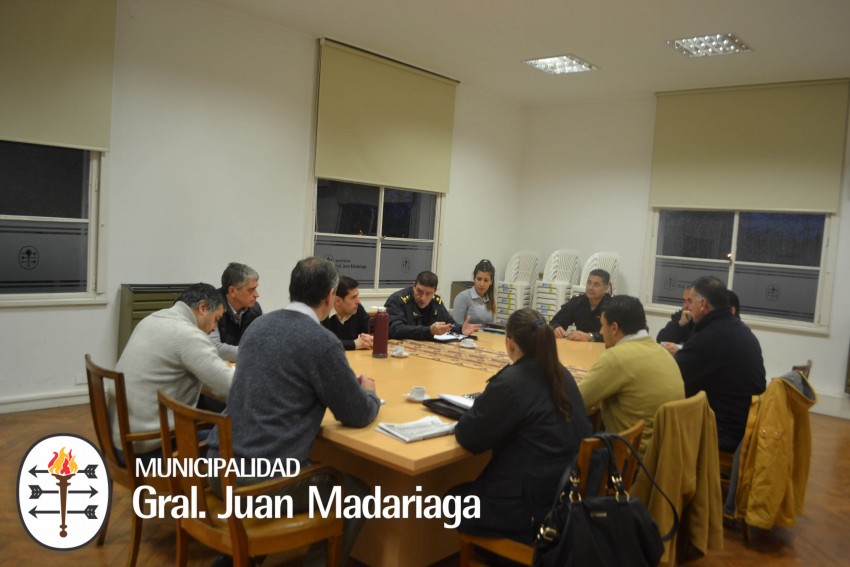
<point>366,383</point>
<point>364,341</point>
<point>440,328</point>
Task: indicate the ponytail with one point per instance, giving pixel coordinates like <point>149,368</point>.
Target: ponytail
<point>533,335</point>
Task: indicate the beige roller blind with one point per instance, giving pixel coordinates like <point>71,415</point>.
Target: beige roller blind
<point>56,72</point>
<point>382,122</point>
<point>768,148</point>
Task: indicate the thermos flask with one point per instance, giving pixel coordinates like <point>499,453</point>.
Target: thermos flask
<point>381,333</point>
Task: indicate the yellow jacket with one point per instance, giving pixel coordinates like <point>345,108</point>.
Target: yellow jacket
<point>775,454</point>
<point>683,458</point>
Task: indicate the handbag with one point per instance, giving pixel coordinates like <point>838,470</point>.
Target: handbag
<point>614,530</point>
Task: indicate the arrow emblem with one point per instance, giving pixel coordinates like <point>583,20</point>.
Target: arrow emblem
<point>90,512</point>
<point>90,471</point>
<point>38,491</point>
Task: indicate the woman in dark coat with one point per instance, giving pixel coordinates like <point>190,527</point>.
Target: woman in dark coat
<point>533,418</point>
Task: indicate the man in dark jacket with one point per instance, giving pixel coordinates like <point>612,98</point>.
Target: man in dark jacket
<point>723,358</point>
<point>680,327</point>
<point>239,289</point>
<point>349,321</point>
<point>584,310</point>
<point>417,312</point>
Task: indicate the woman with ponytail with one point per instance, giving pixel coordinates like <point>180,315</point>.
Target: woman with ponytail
<point>533,418</point>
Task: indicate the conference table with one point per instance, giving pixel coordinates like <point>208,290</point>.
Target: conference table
<point>435,464</point>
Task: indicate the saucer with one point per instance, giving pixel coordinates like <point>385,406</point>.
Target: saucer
<point>409,399</point>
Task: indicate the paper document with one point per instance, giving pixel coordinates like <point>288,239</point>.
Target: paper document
<point>449,337</point>
<point>462,401</point>
<point>424,428</point>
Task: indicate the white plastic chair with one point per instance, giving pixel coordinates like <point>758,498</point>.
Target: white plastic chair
<point>560,274</point>
<point>608,261</point>
<point>514,291</point>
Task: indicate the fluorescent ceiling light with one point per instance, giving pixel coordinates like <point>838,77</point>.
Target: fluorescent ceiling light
<point>707,45</point>
<point>560,64</point>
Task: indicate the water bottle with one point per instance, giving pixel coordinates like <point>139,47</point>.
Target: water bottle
<point>381,333</point>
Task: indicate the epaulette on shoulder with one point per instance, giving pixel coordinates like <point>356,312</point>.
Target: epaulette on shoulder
<point>405,298</point>
<point>438,299</point>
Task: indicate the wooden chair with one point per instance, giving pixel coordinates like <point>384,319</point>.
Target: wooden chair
<point>524,554</point>
<point>122,473</point>
<point>622,456</point>
<point>803,369</point>
<point>240,538</point>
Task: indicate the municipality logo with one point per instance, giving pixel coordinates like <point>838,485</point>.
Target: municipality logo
<point>63,492</point>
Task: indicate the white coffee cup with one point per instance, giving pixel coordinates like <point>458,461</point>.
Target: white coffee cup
<point>398,350</point>
<point>468,343</point>
<point>417,393</point>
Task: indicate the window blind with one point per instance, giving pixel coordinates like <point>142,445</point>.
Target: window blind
<point>381,122</point>
<point>56,69</point>
<point>762,148</point>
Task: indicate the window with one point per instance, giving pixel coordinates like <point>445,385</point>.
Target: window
<point>47,221</point>
<point>775,262</point>
<point>380,236</point>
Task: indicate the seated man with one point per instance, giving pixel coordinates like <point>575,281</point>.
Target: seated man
<point>417,312</point>
<point>239,289</point>
<point>170,350</point>
<point>584,311</point>
<point>291,370</point>
<point>680,327</point>
<point>349,322</point>
<point>634,376</point>
<point>722,357</point>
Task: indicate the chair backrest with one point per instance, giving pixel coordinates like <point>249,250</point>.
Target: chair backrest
<point>623,457</point>
<point>187,422</point>
<point>803,369</point>
<point>106,389</point>
<point>522,267</point>
<point>608,261</point>
<point>562,266</point>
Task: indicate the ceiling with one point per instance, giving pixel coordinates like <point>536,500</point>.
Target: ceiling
<point>482,43</point>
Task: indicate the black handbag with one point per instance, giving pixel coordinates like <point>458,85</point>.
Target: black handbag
<point>614,530</point>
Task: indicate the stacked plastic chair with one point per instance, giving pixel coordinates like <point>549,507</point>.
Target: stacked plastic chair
<point>608,261</point>
<point>560,274</point>
<point>515,290</point>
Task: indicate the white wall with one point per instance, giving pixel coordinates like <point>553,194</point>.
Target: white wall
<point>212,137</point>
<point>586,181</point>
<point>211,162</point>
<point>480,208</point>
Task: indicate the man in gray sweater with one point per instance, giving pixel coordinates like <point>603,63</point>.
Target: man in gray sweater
<point>291,369</point>
<point>170,350</point>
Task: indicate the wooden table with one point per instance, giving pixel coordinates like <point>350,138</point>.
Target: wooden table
<point>435,465</point>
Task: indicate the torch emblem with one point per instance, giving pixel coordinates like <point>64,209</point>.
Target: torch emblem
<point>63,492</point>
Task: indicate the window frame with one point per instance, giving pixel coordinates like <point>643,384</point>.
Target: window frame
<point>826,270</point>
<point>95,293</point>
<point>373,292</point>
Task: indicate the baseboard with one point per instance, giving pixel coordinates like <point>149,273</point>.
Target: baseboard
<point>836,405</point>
<point>42,401</point>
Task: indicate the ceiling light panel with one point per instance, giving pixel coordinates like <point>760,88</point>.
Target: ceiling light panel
<point>708,45</point>
<point>561,64</point>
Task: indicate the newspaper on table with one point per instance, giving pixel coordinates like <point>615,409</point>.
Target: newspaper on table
<point>425,428</point>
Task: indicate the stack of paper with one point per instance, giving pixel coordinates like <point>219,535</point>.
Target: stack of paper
<point>424,428</point>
